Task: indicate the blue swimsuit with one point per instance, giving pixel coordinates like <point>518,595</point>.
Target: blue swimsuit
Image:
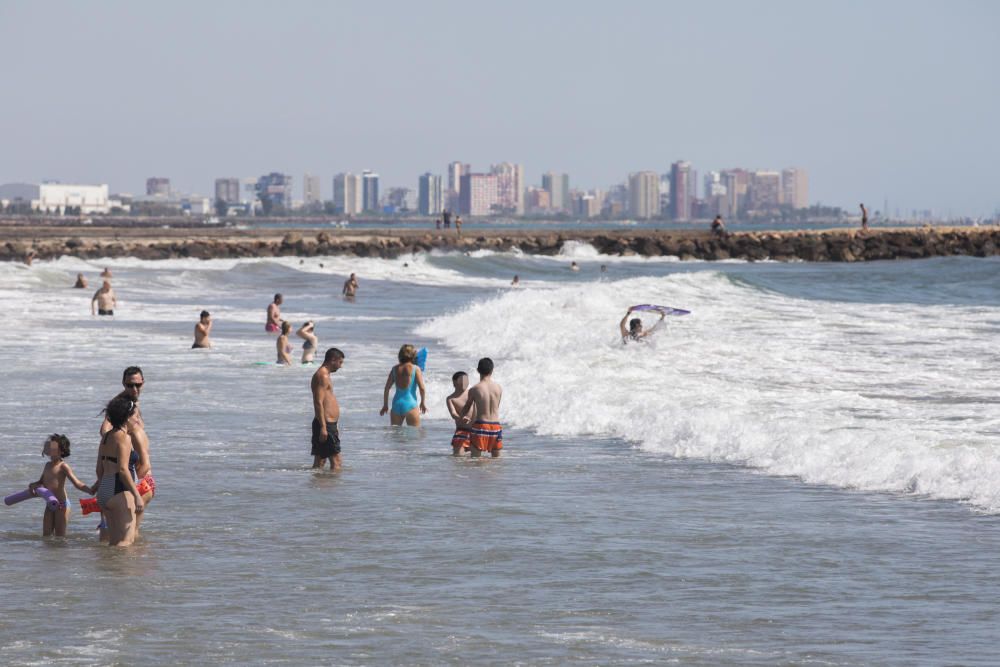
<point>404,400</point>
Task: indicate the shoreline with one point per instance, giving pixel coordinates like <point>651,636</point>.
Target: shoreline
<point>837,245</point>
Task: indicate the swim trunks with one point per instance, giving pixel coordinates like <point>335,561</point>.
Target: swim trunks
<point>101,311</point>
<point>271,327</point>
<point>328,448</point>
<point>63,504</point>
<point>196,346</point>
<point>486,436</point>
<point>460,439</point>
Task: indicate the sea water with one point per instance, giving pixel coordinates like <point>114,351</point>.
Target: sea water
<point>804,470</point>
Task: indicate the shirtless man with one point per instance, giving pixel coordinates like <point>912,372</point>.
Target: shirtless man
<point>133,382</point>
<point>105,299</point>
<point>273,323</point>
<point>456,404</point>
<point>486,435</point>
<point>106,273</point>
<point>350,288</point>
<point>864,217</point>
<point>326,412</point>
<point>201,331</point>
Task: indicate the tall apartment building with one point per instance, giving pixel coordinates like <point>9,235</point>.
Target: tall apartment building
<point>227,190</point>
<point>157,186</point>
<point>347,193</point>
<point>680,190</point>
<point>737,183</point>
<point>644,195</point>
<point>479,194</point>
<point>310,190</point>
<point>557,185</point>
<point>795,187</point>
<point>274,191</point>
<point>369,190</point>
<point>510,187</point>
<point>430,196</point>
<point>765,191</point>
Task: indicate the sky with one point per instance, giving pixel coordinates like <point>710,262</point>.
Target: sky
<point>892,100</point>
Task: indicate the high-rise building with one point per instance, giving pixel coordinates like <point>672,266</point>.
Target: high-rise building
<point>737,183</point>
<point>765,191</point>
<point>274,191</point>
<point>347,193</point>
<point>537,201</point>
<point>369,190</point>
<point>510,187</point>
<point>557,185</point>
<point>680,190</point>
<point>716,202</point>
<point>479,194</point>
<point>310,190</point>
<point>795,188</point>
<point>430,197</point>
<point>157,186</point>
<point>227,190</point>
<point>644,195</point>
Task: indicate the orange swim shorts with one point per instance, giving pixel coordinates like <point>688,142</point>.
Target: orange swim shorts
<point>486,436</point>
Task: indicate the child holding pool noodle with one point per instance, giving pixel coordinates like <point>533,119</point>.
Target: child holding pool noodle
<point>53,478</point>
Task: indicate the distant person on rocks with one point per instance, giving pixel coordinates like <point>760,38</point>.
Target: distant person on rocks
<point>307,332</point>
<point>350,288</point>
<point>458,225</point>
<point>485,433</point>
<point>456,404</point>
<point>273,323</point>
<point>864,217</point>
<point>106,273</point>
<point>201,331</point>
<point>635,331</point>
<point>446,218</point>
<point>81,282</point>
<point>105,300</point>
<point>283,346</point>
<point>718,227</point>
<point>437,223</point>
<point>407,378</point>
<point>326,412</point>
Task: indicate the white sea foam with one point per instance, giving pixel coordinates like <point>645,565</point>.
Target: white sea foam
<point>878,397</point>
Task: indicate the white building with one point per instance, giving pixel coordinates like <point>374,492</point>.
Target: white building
<point>347,191</point>
<point>55,197</point>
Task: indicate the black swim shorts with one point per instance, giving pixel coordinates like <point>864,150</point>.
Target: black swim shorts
<point>105,312</point>
<point>331,446</point>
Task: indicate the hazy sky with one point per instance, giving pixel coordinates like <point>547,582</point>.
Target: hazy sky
<point>874,99</point>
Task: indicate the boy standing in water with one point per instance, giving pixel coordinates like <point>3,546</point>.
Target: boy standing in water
<point>486,435</point>
<point>326,412</point>
<point>456,405</point>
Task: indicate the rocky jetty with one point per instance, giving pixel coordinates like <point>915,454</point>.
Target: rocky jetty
<point>17,243</point>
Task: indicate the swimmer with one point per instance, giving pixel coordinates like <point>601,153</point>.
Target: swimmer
<point>106,273</point>
<point>635,330</point>
<point>573,266</point>
<point>53,478</point>
<point>350,288</point>
<point>201,331</point>
<point>326,412</point>
<point>81,282</point>
<point>604,268</point>
<point>456,404</point>
<point>516,281</point>
<point>30,257</point>
<point>407,377</point>
<point>273,322</point>
<point>283,346</point>
<point>105,299</point>
<point>307,332</point>
<point>485,433</point>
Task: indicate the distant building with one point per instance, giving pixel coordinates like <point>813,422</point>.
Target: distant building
<point>587,204</point>
<point>644,195</point>
<point>274,191</point>
<point>55,197</point>
<point>369,191</point>
<point>479,195</point>
<point>765,191</point>
<point>557,185</point>
<point>310,190</point>
<point>737,184</point>
<point>430,198</point>
<point>398,200</point>
<point>510,187</point>
<point>227,190</point>
<point>347,193</point>
<point>795,188</point>
<point>537,201</point>
<point>157,186</point>
<point>680,190</point>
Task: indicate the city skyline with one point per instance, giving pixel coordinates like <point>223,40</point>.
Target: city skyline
<point>851,93</point>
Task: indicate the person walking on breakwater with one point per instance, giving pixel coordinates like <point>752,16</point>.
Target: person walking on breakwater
<point>201,331</point>
<point>307,332</point>
<point>105,300</point>
<point>54,476</point>
<point>485,433</point>
<point>273,323</point>
<point>456,404</point>
<point>326,412</point>
<point>635,331</point>
<point>407,378</point>
<point>864,217</point>
<point>350,288</point>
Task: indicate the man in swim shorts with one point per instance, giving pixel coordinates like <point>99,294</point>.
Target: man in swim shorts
<point>273,323</point>
<point>326,412</point>
<point>350,288</point>
<point>485,434</point>
<point>105,299</point>
<point>201,331</point>
<point>456,404</point>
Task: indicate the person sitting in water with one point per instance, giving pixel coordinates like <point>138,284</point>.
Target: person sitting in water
<point>105,299</point>
<point>273,323</point>
<point>407,377</point>
<point>574,266</point>
<point>81,282</point>
<point>283,346</point>
<point>201,331</point>
<point>307,332</point>
<point>635,330</point>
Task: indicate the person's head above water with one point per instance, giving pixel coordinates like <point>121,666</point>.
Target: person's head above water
<point>278,299</point>
<point>119,410</point>
<point>485,366</point>
<point>635,326</point>
<point>407,353</point>
<point>334,359</point>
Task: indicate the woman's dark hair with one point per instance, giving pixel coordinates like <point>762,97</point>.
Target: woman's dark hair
<point>63,443</point>
<point>119,409</point>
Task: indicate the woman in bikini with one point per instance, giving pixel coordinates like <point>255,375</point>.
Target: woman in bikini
<point>307,332</point>
<point>117,494</point>
<point>284,347</point>
<point>407,377</point>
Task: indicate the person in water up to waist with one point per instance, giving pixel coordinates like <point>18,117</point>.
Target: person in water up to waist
<point>408,379</point>
<point>485,433</point>
<point>635,329</point>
